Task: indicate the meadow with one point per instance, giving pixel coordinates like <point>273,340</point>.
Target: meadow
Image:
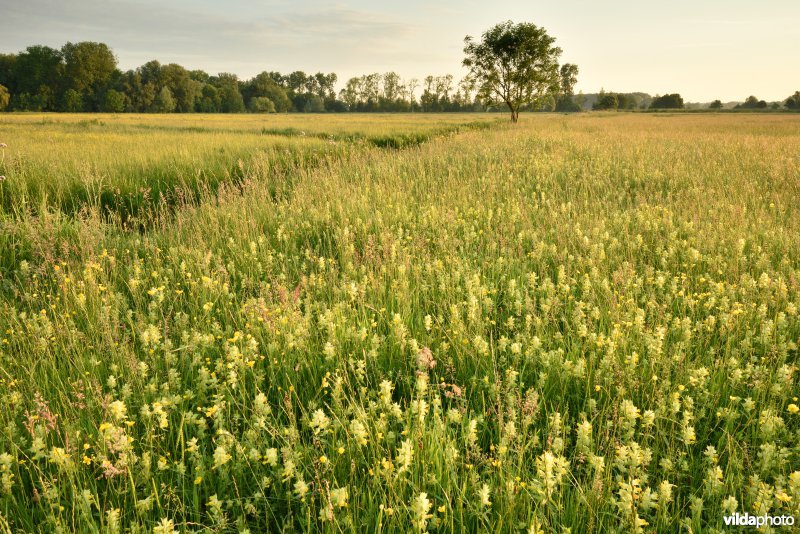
<point>127,164</point>
<point>398,323</point>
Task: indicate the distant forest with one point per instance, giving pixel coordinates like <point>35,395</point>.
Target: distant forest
<point>85,77</point>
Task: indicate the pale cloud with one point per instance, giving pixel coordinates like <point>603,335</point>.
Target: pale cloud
<point>241,39</point>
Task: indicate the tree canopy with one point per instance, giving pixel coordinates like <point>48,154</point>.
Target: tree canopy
<point>84,77</point>
<point>793,102</point>
<point>752,102</point>
<point>88,69</point>
<point>670,101</point>
<point>515,65</point>
<point>606,101</point>
<point>569,77</point>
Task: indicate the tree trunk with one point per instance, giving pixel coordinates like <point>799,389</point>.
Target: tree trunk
<point>514,112</point>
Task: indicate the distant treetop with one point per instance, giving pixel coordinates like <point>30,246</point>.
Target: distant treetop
<point>793,102</point>
<point>670,101</point>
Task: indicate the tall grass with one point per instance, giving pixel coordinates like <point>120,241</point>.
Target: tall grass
<point>126,165</point>
<point>583,322</point>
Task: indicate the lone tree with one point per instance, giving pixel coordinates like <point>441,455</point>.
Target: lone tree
<point>515,65</point>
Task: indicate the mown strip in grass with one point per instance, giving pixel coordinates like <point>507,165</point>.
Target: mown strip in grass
<point>395,140</point>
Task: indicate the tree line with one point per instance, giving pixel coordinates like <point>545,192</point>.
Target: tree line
<point>631,101</point>
<point>642,101</point>
<point>85,77</point>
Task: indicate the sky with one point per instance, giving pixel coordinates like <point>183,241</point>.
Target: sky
<point>703,49</point>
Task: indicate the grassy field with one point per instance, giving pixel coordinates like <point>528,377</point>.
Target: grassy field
<point>128,164</point>
<point>586,322</point>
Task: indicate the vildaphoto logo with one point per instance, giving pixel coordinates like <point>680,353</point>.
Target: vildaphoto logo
<point>758,521</point>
